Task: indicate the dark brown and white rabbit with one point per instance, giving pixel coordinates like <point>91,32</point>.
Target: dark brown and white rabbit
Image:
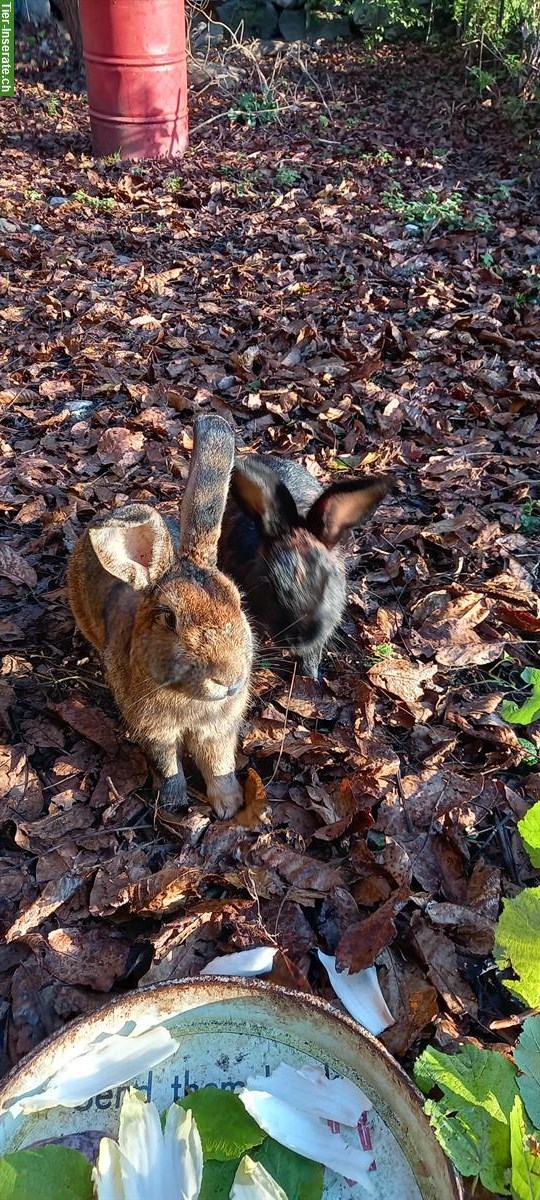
<point>281,543</point>
<point>176,646</point>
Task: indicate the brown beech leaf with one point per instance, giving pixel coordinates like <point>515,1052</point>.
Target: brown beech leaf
<point>446,629</point>
<point>92,957</point>
<point>307,879</point>
<point>402,678</point>
<point>438,955</point>
<point>127,771</point>
<point>89,722</point>
<point>310,699</point>
<point>359,946</point>
<point>15,568</point>
<point>54,894</point>
<point>21,796</point>
<point>153,895</point>
<point>470,929</point>
<point>412,1000</point>
<point>255,811</point>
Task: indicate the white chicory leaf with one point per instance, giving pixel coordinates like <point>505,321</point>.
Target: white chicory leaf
<point>108,1064</point>
<point>253,1182</point>
<point>148,1164</point>
<point>360,994</point>
<point>258,961</point>
<point>107,1174</point>
<point>308,1136</point>
<point>309,1090</point>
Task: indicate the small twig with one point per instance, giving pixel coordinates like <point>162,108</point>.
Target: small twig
<point>402,800</point>
<point>284,734</point>
<point>210,121</point>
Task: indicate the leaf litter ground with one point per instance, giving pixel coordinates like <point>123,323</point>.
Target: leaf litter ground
<point>280,275</point>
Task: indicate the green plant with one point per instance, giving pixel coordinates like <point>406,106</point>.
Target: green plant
<point>529,711</point>
<point>32,194</point>
<point>529,521</point>
<point>287,177</point>
<point>382,157</point>
<point>53,106</point>
<point>431,208</point>
<point>531,757</point>
<point>486,1113</point>
<point>529,828</point>
<point>253,109</point>
<point>383,650</point>
<point>517,945</point>
<point>484,79</point>
<point>174,183</point>
<point>98,202</point>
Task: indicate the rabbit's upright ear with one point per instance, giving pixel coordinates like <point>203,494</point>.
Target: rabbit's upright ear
<point>263,497</point>
<point>134,546</point>
<point>345,505</point>
<point>206,492</point>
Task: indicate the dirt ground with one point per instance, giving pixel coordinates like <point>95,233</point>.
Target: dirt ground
<point>353,279</point>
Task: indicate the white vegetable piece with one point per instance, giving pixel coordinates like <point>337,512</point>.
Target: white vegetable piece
<point>148,1164</point>
<point>309,1090</point>
<point>360,994</point>
<point>253,1182</point>
<point>308,1136</point>
<point>107,1174</point>
<point>258,961</point>
<point>108,1064</point>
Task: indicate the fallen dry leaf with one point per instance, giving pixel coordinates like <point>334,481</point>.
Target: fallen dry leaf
<point>89,722</point>
<point>360,945</point>
<point>14,567</point>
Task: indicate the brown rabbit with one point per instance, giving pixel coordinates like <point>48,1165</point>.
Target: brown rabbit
<point>281,544</point>
<point>176,646</point>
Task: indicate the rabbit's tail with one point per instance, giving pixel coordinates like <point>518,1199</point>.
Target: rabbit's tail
<point>206,492</point>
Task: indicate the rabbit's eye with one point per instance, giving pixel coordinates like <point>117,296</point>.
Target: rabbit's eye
<point>168,617</point>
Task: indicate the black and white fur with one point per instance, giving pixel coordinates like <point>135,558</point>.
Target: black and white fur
<point>281,544</point>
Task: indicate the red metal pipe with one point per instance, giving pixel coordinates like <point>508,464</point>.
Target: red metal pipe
<point>136,75</point>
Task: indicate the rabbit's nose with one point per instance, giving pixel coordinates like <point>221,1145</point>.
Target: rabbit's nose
<point>232,688</point>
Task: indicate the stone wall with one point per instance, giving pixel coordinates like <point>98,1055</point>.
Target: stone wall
<point>287,19</point>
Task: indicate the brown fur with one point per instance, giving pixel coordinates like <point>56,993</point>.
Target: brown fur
<point>171,631</point>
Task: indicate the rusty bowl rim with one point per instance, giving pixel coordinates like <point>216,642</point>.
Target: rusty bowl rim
<point>232,987</point>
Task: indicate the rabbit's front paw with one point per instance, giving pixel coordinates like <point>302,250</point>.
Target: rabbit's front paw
<point>225,795</point>
<point>173,793</point>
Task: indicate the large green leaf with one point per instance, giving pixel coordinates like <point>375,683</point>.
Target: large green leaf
<point>226,1129</point>
<point>517,944</point>
<point>218,1179</point>
<point>476,1144</point>
<point>49,1173</point>
<point>529,828</point>
<point>525,1178</point>
<point>471,1120</point>
<point>478,1077</point>
<point>527,1058</point>
<point>300,1178</point>
<point>528,712</point>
